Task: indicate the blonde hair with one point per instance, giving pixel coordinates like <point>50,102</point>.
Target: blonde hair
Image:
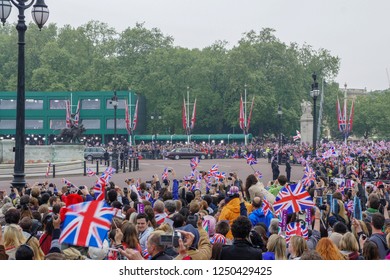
<point>38,253</point>
<point>277,244</point>
<point>342,213</point>
<point>13,236</point>
<point>349,243</point>
<point>364,228</point>
<point>299,245</point>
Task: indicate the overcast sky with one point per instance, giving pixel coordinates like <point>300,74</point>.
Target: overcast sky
<point>357,31</point>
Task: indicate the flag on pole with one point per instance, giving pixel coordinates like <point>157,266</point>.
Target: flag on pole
<point>87,224</point>
<point>68,113</point>
<point>298,136</point>
<point>127,118</point>
<point>241,116</point>
<point>340,118</point>
<point>250,159</point>
<point>184,115</point>
<point>213,170</point>
<point>66,182</point>
<point>258,174</point>
<point>77,115</point>
<point>194,163</point>
<point>250,115</point>
<point>193,119</point>
<point>350,121</point>
<point>90,172</point>
<point>48,170</point>
<point>135,119</point>
<point>293,198</point>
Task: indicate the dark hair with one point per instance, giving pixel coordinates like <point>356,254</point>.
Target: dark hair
<point>241,227</point>
<point>340,227</point>
<point>208,199</point>
<point>45,198</point>
<point>142,216</point>
<point>377,220</point>
<point>370,251</point>
<point>24,252</point>
<point>133,196</point>
<point>116,204</point>
<point>282,179</point>
<point>149,211</point>
<point>250,180</point>
<point>112,195</point>
<point>167,196</point>
<point>178,220</point>
<point>184,212</point>
<point>189,197</point>
<point>12,216</point>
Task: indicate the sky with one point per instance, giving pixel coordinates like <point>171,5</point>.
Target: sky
<point>356,31</point>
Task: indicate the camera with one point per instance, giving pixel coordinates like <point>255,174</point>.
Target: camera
<point>231,174</point>
<point>169,170</point>
<point>81,187</point>
<point>382,202</point>
<point>125,191</point>
<point>170,239</point>
<point>322,207</point>
<point>229,178</point>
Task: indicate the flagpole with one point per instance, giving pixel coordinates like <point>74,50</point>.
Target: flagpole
<point>187,116</point>
<point>345,115</point>
<point>130,121</point>
<point>245,124</point>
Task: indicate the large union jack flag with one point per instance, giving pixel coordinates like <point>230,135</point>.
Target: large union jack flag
<point>250,159</point>
<point>293,198</point>
<point>86,224</point>
<point>194,163</point>
<point>296,228</point>
<point>309,176</point>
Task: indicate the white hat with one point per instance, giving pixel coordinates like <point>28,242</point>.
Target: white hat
<point>96,253</point>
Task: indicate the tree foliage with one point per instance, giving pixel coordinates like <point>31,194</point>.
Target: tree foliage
<point>97,57</point>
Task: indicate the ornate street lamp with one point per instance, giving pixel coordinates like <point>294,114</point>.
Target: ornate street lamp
<point>280,113</point>
<point>40,14</point>
<point>314,93</point>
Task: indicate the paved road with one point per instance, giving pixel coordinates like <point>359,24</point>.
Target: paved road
<point>182,168</point>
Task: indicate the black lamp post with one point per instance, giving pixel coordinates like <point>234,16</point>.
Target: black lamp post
<point>40,14</point>
<point>280,113</point>
<point>114,102</point>
<point>314,93</point>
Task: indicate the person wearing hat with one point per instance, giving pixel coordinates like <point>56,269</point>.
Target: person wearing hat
<point>231,210</point>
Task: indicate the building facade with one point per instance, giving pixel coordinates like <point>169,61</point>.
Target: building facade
<point>45,115</point>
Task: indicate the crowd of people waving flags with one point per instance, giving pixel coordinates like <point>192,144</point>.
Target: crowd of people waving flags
<point>339,210</point>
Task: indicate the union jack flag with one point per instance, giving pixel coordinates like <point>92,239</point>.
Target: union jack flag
<point>309,176</point>
<point>66,182</point>
<point>347,160</point>
<point>220,175</point>
<point>349,206</point>
<point>90,172</point>
<point>296,228</point>
<point>293,198</point>
<point>194,163</point>
<point>250,159</point>
<point>298,136</point>
<point>86,224</point>
<point>213,170</point>
<point>164,176</point>
<point>145,254</point>
<point>266,207</point>
<point>258,174</point>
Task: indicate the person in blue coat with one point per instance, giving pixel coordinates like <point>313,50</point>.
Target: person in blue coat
<point>257,215</point>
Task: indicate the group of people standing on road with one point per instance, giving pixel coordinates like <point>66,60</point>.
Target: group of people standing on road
<point>209,218</point>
